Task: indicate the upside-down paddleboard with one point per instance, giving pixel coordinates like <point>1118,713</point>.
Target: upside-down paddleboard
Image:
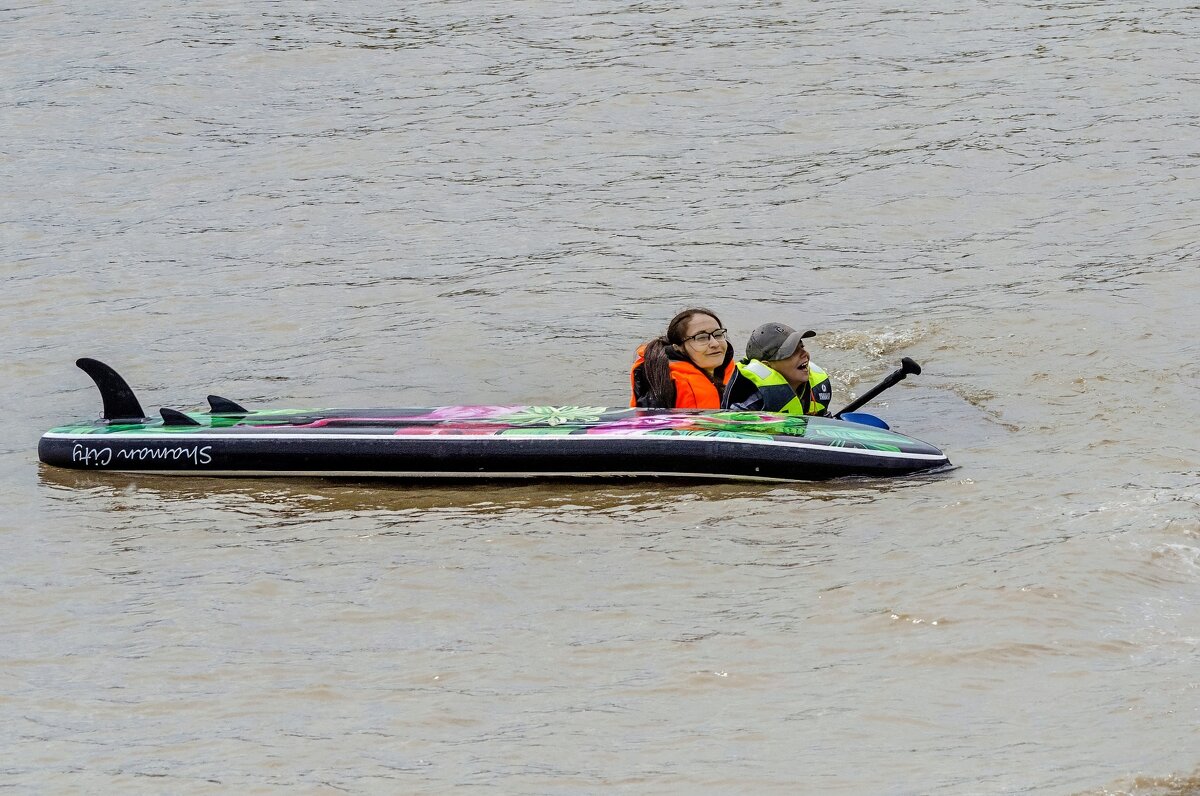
<point>474,442</point>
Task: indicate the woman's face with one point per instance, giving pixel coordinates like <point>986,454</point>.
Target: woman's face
<point>794,368</point>
<point>707,355</point>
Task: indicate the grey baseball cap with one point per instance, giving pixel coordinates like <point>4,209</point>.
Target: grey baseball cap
<point>773,341</point>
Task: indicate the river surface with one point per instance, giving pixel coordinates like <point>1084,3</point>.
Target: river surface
<point>375,204</point>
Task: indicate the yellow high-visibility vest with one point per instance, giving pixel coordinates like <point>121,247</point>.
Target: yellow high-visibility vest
<point>778,395</point>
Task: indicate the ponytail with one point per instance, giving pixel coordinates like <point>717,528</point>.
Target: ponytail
<point>657,370</point>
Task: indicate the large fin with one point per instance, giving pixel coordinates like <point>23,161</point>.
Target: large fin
<point>224,406</point>
<point>173,417</point>
<point>120,404</point>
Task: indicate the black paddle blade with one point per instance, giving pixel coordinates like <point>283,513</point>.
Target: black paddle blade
<point>119,401</point>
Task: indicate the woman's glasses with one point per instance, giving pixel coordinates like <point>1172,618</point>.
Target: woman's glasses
<point>704,337</point>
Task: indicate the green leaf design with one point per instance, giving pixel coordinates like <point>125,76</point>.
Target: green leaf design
<point>713,433</point>
<point>101,428</point>
<point>869,439</point>
<point>536,431</point>
<point>551,416</point>
<point>753,423</point>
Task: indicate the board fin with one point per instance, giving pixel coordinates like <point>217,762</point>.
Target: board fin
<point>120,404</point>
<point>224,406</point>
<point>173,417</point>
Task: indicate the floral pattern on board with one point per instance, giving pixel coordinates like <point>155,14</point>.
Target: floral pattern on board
<point>532,421</point>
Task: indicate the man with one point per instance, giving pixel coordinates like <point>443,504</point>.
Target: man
<point>777,376</point>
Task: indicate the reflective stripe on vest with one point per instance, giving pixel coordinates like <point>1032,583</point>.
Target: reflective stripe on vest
<point>778,395</point>
<point>822,390</point>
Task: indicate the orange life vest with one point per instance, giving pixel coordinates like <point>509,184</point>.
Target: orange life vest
<point>693,390</point>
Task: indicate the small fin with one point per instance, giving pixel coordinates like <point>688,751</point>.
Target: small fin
<point>119,401</point>
<point>224,406</point>
<point>173,417</point>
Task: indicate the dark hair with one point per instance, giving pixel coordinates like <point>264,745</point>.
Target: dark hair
<point>656,366</point>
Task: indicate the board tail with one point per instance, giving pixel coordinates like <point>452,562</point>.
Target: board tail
<point>120,404</point>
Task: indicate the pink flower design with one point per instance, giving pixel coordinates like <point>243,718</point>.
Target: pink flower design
<point>467,412</point>
<point>640,425</point>
<point>438,414</point>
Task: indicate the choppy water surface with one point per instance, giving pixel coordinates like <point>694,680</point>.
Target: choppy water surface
<point>301,204</point>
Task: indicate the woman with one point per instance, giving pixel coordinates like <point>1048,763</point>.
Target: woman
<point>687,367</point>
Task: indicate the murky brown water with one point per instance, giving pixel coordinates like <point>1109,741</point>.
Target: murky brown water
<point>294,204</point>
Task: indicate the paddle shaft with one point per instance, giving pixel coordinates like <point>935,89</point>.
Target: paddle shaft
<point>907,366</point>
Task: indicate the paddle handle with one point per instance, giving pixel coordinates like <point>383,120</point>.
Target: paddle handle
<point>907,366</point>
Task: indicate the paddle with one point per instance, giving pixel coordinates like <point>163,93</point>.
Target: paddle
<point>907,366</point>
<point>864,419</point>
